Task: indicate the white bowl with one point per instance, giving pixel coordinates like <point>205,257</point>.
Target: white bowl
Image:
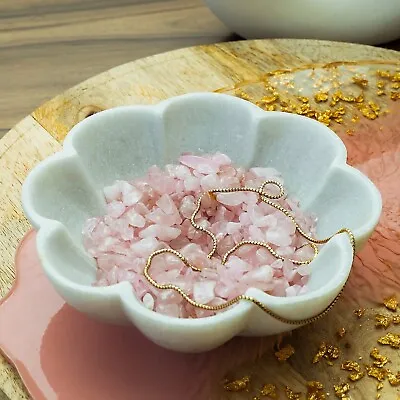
<point>358,21</point>
<point>121,143</point>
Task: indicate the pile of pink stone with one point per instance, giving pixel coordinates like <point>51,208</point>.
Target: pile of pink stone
<point>154,211</point>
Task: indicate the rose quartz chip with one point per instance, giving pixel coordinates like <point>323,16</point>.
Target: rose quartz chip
<point>115,209</point>
<point>204,291</point>
<point>191,183</point>
<point>112,193</point>
<point>265,173</point>
<point>231,199</point>
<point>154,211</point>
<point>144,247</point>
<point>263,273</point>
<point>200,164</point>
<point>172,310</point>
<point>135,219</point>
<point>148,301</point>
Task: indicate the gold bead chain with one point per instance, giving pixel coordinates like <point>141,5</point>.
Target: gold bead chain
<point>266,198</point>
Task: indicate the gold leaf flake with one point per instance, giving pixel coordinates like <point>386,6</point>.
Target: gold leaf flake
<point>315,391</point>
<point>378,373</point>
<point>321,97</point>
<point>285,353</point>
<point>394,379</point>
<point>238,385</point>
<point>382,321</point>
<point>390,339</point>
<point>291,395</point>
<point>342,331</point>
<point>379,359</point>
<point>391,303</point>
<point>269,390</point>
<point>341,391</point>
<point>360,312</point>
<point>360,81</point>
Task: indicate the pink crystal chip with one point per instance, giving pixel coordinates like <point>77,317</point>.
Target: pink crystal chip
<point>154,211</point>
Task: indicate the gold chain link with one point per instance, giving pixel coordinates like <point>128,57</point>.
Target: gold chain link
<point>266,198</point>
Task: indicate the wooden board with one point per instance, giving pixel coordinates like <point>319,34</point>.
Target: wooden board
<point>145,81</point>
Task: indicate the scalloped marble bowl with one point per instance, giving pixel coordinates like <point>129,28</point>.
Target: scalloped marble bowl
<point>121,143</point>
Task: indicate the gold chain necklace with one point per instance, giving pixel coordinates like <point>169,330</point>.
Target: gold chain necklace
<point>266,198</point>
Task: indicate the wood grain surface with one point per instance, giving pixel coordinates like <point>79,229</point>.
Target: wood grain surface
<point>47,46</point>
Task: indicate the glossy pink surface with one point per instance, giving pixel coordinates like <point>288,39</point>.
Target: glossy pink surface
<point>375,150</point>
<point>61,354</point>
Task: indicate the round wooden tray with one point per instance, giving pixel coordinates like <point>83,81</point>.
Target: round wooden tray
<point>149,80</point>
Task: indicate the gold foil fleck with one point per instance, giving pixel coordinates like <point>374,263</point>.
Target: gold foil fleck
<point>320,353</point>
<point>354,368</point>
<point>380,84</point>
<point>332,352</point>
<point>350,366</point>
<point>384,74</point>
<point>285,353</point>
<point>360,98</point>
<point>350,132</point>
<point>378,373</point>
<point>348,99</point>
<point>327,351</point>
<point>379,359</point>
<point>242,94</point>
<point>396,77</point>
<point>342,331</point>
<point>360,312</point>
<point>396,86</point>
<point>321,97</point>
<point>396,319</point>
<point>390,339</point>
<point>356,376</point>
<point>382,321</point>
<point>369,110</point>
<point>341,391</point>
<point>303,99</point>
<point>380,92</point>
<point>395,96</point>
<point>360,81</point>
<point>324,117</point>
<point>269,99</point>
<point>238,385</point>
<point>391,303</point>
<point>269,390</point>
<point>315,391</point>
<point>394,379</point>
<point>379,386</point>
<point>291,395</point>
<point>374,107</point>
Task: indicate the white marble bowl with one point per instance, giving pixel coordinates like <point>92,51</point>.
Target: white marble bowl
<point>358,21</point>
<point>121,143</point>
